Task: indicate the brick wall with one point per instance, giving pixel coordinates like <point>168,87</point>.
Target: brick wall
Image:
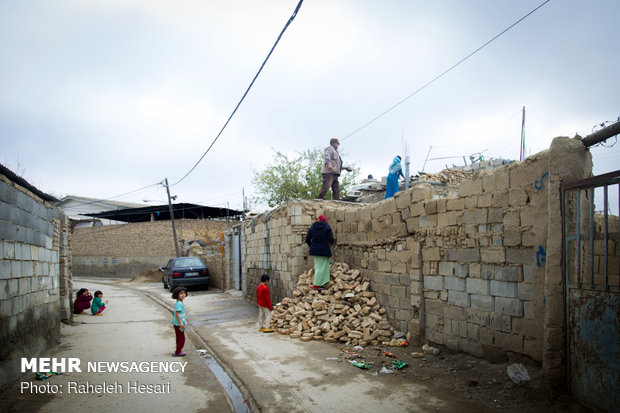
<point>35,276</point>
<point>477,272</point>
<point>124,251</point>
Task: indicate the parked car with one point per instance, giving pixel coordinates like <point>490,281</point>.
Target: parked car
<point>185,271</point>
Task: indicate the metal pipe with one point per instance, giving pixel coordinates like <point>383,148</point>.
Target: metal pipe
<point>600,136</point>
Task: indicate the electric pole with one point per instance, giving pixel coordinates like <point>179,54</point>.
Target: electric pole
<point>174,230</point>
<point>522,154</point>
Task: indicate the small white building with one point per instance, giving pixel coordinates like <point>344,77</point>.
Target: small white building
<point>75,206</point>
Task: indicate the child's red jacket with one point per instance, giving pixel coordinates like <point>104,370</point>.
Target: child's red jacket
<point>263,298</point>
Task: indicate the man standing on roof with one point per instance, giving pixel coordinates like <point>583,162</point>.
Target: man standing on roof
<point>332,166</point>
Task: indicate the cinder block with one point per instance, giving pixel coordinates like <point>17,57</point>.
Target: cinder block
<point>520,256</point>
<point>448,219</point>
<point>493,255</point>
<point>468,188</point>
<point>509,306</point>
<point>403,199</point>
<point>454,283</point>
<point>508,274</point>
<point>458,298</point>
<point>527,328</point>
<point>446,268</point>
<point>456,204</point>
<point>517,197</point>
<point>477,286</point>
<point>428,221</point>
<point>431,254</point>
<point>467,255</point>
<point>482,302</point>
<point>421,192</point>
<point>504,289</point>
<point>433,282</point>
<point>475,216</point>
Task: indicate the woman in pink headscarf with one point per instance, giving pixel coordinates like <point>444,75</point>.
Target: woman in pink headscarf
<point>318,238</point>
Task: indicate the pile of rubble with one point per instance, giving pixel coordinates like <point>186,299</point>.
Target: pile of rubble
<point>447,176</point>
<point>345,311</point>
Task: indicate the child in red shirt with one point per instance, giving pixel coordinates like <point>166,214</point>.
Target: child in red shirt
<point>263,300</point>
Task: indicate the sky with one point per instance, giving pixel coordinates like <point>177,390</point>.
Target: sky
<point>106,99</point>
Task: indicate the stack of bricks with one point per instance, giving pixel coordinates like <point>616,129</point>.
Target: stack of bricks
<point>346,311</point>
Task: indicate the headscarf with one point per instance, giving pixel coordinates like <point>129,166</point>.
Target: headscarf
<point>322,218</point>
<point>395,167</point>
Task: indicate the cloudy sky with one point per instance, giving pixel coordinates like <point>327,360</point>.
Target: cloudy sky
<point>100,98</point>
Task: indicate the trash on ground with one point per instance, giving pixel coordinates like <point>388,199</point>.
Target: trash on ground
<point>417,355</point>
<point>388,354</point>
<point>399,334</point>
<point>399,364</point>
<point>518,373</point>
<point>401,342</point>
<point>430,350</point>
<point>362,365</point>
<point>358,348</point>
<point>331,358</point>
<point>385,370</point>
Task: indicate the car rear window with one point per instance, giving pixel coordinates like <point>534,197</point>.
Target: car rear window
<point>188,262</point>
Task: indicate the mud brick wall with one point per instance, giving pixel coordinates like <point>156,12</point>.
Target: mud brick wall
<point>34,276</point>
<point>478,272</point>
<point>126,250</point>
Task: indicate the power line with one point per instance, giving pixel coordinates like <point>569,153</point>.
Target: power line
<point>290,20</point>
<point>445,72</point>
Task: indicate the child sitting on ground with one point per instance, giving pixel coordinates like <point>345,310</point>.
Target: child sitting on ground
<point>98,306</point>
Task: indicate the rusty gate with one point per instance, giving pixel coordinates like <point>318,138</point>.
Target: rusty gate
<point>592,289</point>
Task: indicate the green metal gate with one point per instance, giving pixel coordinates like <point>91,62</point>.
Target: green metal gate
<point>592,289</point>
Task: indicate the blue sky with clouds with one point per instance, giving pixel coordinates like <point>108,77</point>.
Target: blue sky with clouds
<point>100,98</point>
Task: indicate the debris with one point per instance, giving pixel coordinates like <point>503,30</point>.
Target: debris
<point>430,350</point>
<point>399,334</point>
<point>362,365</point>
<point>388,354</point>
<point>331,358</point>
<point>518,373</point>
<point>399,364</point>
<point>417,355</point>
<point>385,370</point>
<point>401,342</point>
<point>346,311</point>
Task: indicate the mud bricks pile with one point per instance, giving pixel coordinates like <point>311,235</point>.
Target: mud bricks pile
<point>346,311</point>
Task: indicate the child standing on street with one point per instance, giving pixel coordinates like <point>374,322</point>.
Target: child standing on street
<point>97,305</point>
<point>179,320</point>
<point>263,299</point>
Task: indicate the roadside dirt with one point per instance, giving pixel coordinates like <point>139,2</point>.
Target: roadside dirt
<point>464,376</point>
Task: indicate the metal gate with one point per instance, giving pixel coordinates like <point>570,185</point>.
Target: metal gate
<point>592,289</point>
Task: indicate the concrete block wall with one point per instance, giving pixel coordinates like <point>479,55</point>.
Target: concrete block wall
<point>476,272</point>
<point>123,251</point>
<point>32,234</point>
<point>274,244</point>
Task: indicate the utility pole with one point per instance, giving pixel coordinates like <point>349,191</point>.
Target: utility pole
<point>174,229</point>
<point>522,154</point>
<point>407,160</point>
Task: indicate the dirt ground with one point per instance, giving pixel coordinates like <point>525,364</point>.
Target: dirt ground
<point>464,375</point>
